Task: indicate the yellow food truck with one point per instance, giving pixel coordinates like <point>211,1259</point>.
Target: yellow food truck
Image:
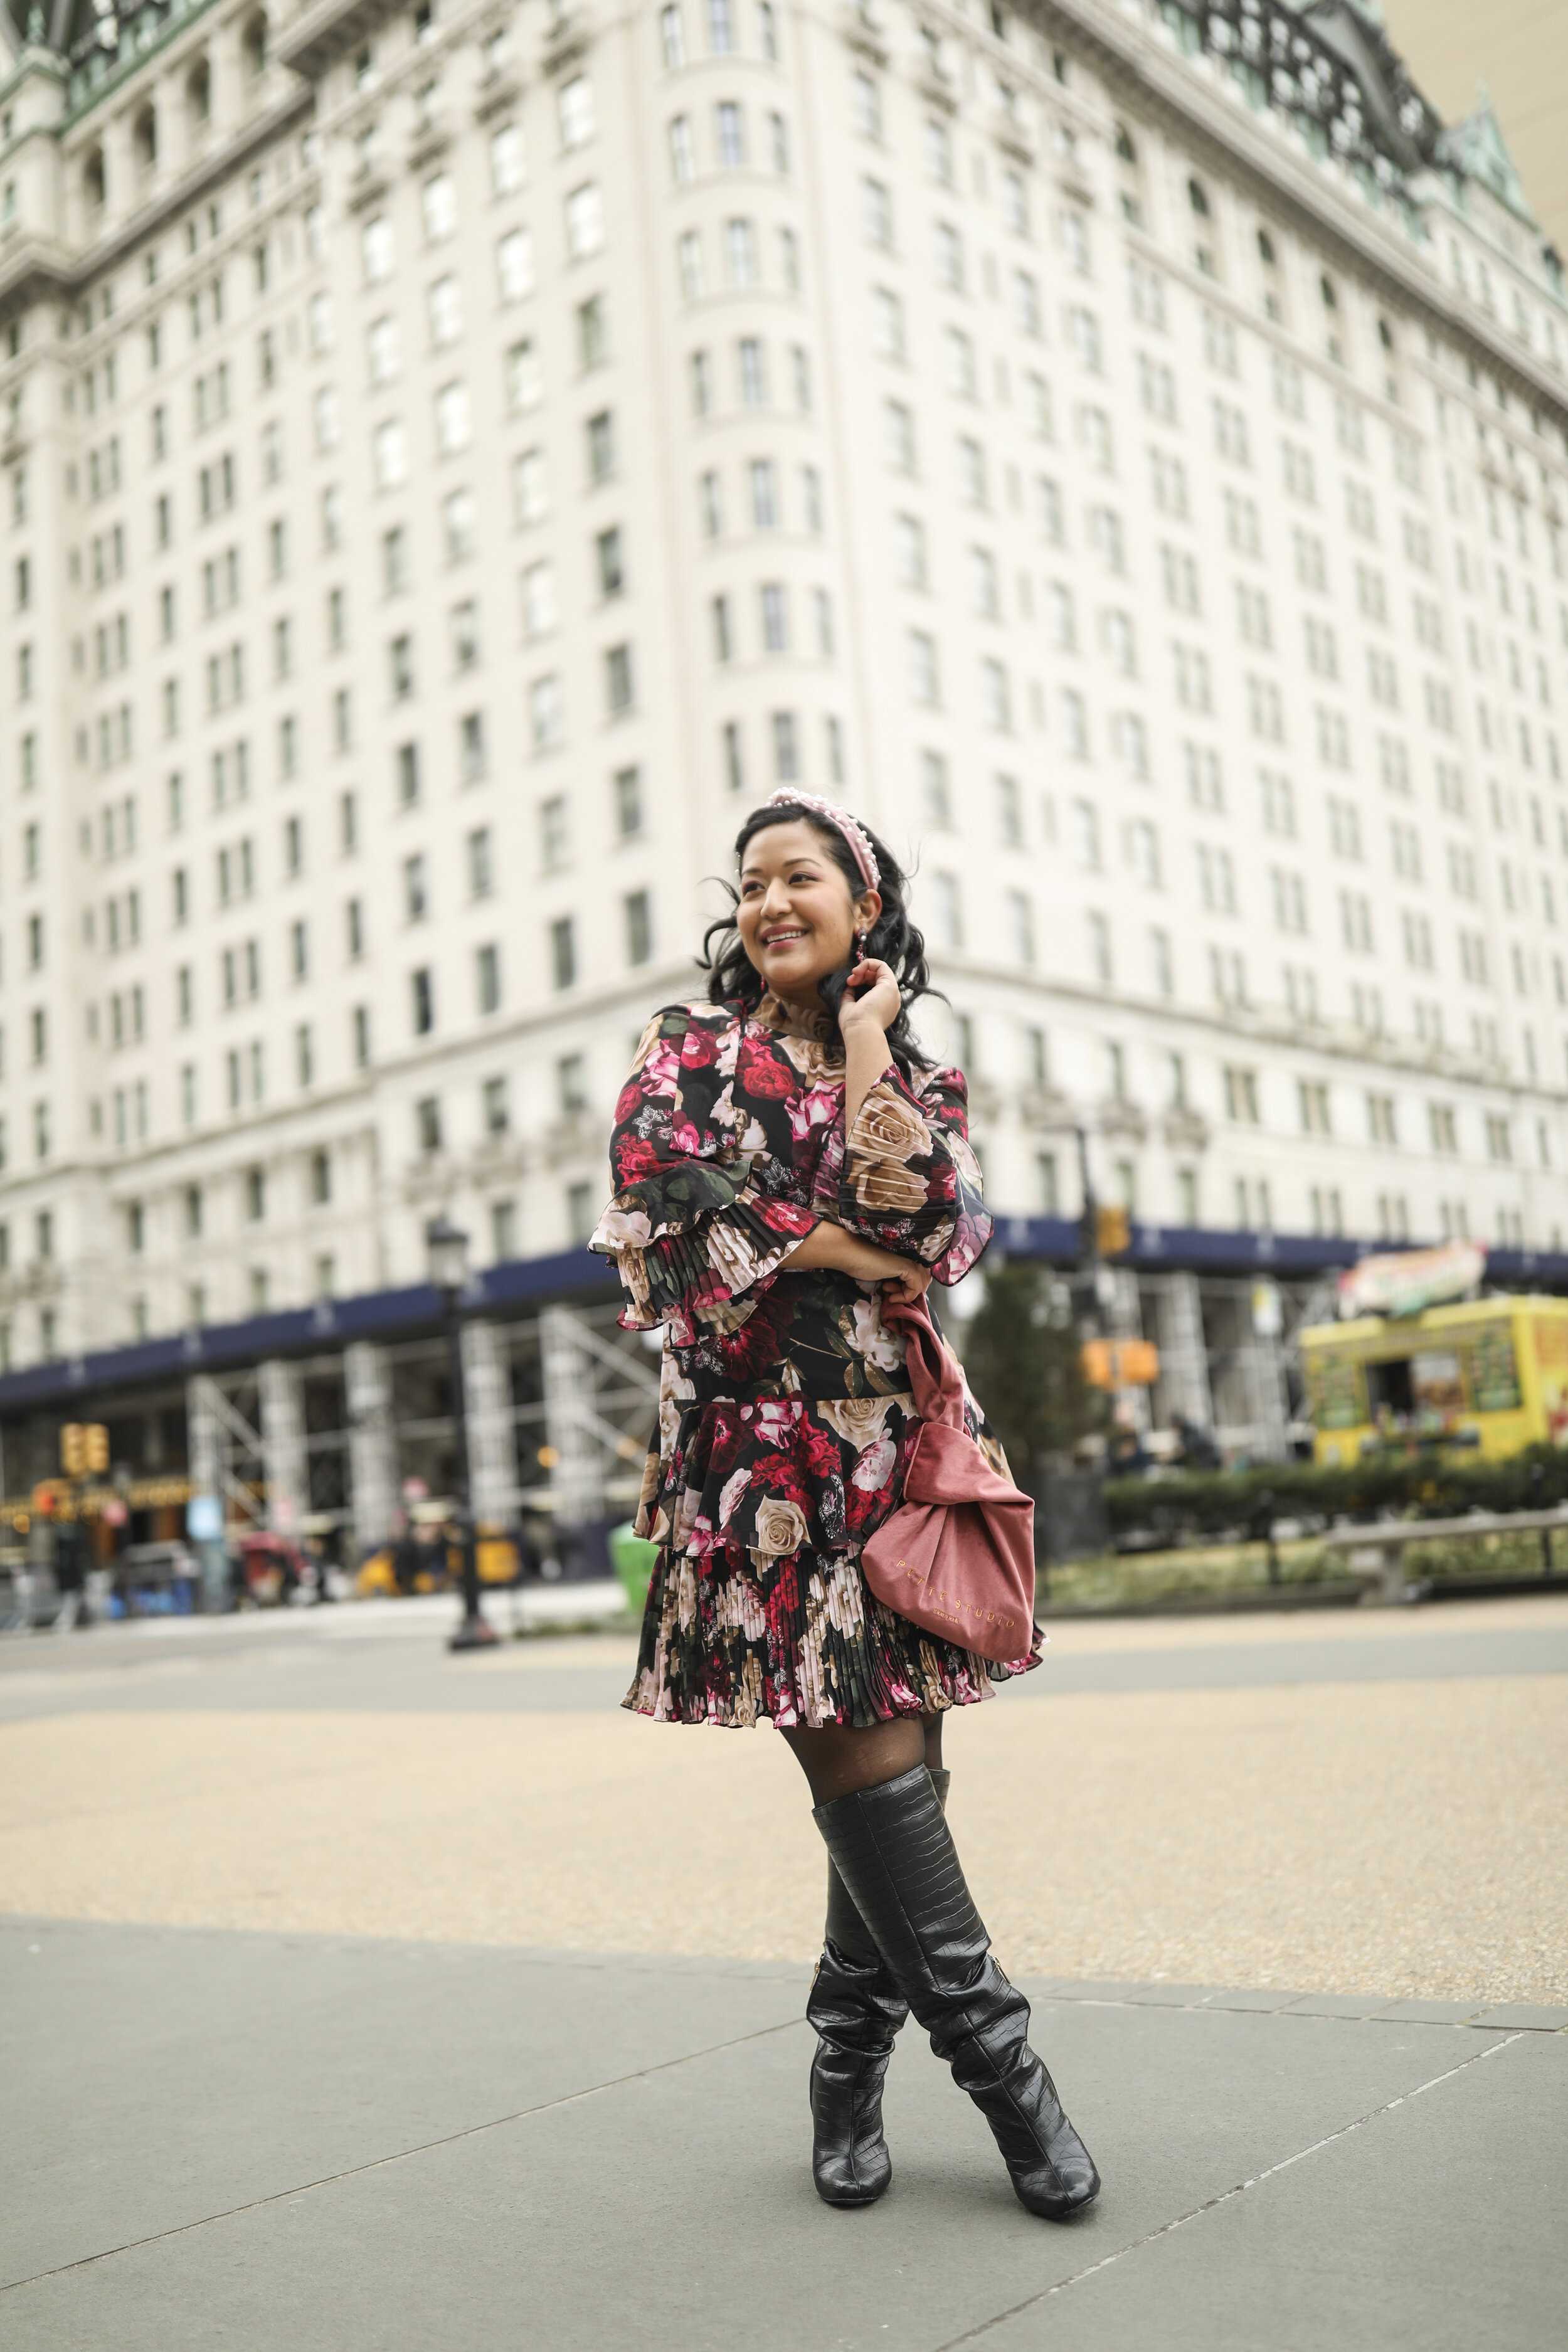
<point>1489,1375</point>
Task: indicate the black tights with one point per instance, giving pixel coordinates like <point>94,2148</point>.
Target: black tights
<point>837,1757</point>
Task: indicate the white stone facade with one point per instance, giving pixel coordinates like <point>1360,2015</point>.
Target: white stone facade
<point>454,460</point>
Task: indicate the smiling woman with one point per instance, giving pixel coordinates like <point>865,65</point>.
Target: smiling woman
<point>787,1162</point>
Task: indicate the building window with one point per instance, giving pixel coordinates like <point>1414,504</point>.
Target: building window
<point>427,1123</point>
<point>601,437</point>
<point>422,1002</point>
<point>787,748</point>
<point>585,221</point>
<point>617,680</point>
<point>639,912</point>
<point>571,1085</point>
<point>563,952</point>
<point>628,802</point>
<point>575,108</point>
<point>545,712</point>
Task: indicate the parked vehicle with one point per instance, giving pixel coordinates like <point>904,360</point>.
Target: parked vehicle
<point>410,1564</point>
<point>273,1570</point>
<point>156,1579</point>
<point>1490,1376</point>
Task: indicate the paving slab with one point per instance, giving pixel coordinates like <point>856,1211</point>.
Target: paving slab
<point>1430,2225</point>
<point>1428,2013</point>
<point>1339,2004</point>
<point>155,2076</point>
<point>1096,1988</point>
<point>1530,2019</point>
<point>278,2144</point>
<point>1170,1996</point>
<point>1259,1997</point>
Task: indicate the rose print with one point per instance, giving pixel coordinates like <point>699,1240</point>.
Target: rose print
<point>875,1466</point>
<point>781,1526</point>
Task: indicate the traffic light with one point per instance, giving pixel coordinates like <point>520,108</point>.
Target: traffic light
<point>1113,1231</point>
<point>84,1448</point>
<point>1121,1363</point>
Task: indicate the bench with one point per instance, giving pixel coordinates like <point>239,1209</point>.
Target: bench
<point>1376,1554</point>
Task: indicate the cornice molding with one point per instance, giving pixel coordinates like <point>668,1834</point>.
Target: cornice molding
<point>317,37</point>
<point>36,265</point>
<point>1129,54</point>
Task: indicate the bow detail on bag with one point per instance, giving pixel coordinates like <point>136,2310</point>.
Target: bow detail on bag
<point>957,1556</point>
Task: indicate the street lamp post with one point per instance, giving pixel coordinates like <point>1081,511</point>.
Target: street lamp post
<point>447,1250</point>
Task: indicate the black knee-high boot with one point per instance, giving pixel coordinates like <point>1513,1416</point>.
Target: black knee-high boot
<point>857,2008</point>
<point>896,1856</point>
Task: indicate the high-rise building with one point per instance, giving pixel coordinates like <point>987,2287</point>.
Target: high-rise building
<point>456,458</point>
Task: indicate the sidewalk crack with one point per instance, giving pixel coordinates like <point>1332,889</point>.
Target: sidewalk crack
<point>1212,2204</point>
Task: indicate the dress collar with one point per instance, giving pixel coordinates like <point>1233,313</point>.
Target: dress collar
<point>787,1021</point>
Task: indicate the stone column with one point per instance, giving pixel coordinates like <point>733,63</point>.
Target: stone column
<point>1184,1356</point>
<point>285,1463</point>
<point>1263,1368</point>
<point>1124,1321</point>
<point>372,1445</point>
<point>204,1444</point>
<point>492,1435</point>
<point>567,1374</point>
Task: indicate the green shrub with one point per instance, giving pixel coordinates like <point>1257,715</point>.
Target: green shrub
<point>1208,1502</point>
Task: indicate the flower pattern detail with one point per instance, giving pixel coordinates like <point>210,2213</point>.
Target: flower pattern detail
<point>785,1419</point>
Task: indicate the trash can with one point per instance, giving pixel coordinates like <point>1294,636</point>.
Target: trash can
<point>632,1557</point>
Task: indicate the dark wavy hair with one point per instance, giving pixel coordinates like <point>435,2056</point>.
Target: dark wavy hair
<point>892,938</point>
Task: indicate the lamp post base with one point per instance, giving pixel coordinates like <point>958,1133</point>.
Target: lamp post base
<point>475,1633</point>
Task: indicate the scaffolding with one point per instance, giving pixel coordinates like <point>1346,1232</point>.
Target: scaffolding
<point>559,1408</point>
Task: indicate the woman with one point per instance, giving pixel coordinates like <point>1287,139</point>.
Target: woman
<point>786,1159</point>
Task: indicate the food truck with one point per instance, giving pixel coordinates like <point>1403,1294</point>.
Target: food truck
<point>1487,1375</point>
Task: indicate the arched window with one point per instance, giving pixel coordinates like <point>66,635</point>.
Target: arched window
<point>1124,147</point>
<point>1197,196</point>
<point>144,139</point>
<point>199,91</point>
<point>93,178</point>
<point>253,45</point>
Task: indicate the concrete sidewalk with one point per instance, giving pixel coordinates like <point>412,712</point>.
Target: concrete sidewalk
<point>278,2144</point>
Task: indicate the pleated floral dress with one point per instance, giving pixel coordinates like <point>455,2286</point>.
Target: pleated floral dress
<point>785,1419</point>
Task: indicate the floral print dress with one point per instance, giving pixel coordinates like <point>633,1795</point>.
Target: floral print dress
<point>785,1419</point>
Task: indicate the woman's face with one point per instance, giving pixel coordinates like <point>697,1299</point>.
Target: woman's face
<point>796,917</point>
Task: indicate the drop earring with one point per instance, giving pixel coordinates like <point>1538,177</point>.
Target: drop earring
<point>860,947</point>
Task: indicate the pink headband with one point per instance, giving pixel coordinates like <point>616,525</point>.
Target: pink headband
<point>859,846</point>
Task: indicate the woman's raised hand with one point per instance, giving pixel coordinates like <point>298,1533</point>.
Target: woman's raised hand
<point>871,998</point>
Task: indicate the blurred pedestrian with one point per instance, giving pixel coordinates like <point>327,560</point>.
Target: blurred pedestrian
<point>1198,1450</point>
<point>1126,1456</point>
<point>786,1162</point>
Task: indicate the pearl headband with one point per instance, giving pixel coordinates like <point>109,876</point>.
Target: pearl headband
<point>859,846</point>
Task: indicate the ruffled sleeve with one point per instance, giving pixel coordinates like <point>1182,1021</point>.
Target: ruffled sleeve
<point>910,1181</point>
<point>689,1228</point>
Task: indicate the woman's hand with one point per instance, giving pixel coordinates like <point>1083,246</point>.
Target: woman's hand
<point>829,1245</point>
<point>908,1286</point>
<point>872,1000</point>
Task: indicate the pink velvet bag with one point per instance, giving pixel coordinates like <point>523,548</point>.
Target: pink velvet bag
<point>957,1556</point>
